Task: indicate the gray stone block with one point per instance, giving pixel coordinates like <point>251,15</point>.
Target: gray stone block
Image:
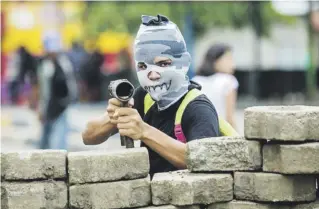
<point>121,194</point>
<point>292,159</point>
<point>172,207</point>
<point>312,205</point>
<point>34,195</point>
<point>32,165</point>
<point>223,154</point>
<point>185,188</point>
<point>103,166</point>
<point>246,205</point>
<point>270,187</point>
<point>284,123</point>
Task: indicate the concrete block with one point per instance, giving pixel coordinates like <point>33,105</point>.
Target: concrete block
<point>312,205</point>
<point>291,159</point>
<point>246,205</point>
<point>121,194</point>
<point>223,154</point>
<point>34,195</point>
<point>270,187</point>
<point>284,123</point>
<point>32,165</point>
<point>103,166</point>
<point>172,207</point>
<point>185,188</point>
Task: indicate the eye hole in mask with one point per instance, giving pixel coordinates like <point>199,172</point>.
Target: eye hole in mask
<point>162,61</point>
<point>141,66</point>
<point>158,61</point>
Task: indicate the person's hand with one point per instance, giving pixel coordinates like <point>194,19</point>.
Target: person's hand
<point>113,105</point>
<point>130,123</point>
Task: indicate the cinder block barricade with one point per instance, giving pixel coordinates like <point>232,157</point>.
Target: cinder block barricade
<point>274,166</point>
<point>104,179</point>
<point>34,179</point>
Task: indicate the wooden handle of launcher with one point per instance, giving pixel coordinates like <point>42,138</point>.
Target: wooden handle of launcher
<point>126,141</point>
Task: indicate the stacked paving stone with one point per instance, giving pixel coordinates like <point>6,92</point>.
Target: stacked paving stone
<point>273,167</point>
<point>34,179</point>
<point>102,180</point>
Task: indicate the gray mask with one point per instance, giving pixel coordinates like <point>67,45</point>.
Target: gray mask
<point>163,40</point>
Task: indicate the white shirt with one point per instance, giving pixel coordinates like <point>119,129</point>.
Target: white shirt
<point>216,87</point>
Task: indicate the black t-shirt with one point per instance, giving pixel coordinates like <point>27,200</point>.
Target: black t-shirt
<point>59,93</point>
<point>199,121</point>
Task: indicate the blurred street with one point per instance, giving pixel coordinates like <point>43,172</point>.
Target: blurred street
<point>242,53</point>
<point>20,128</point>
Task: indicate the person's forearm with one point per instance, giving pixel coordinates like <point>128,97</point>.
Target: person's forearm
<point>98,131</point>
<point>169,148</point>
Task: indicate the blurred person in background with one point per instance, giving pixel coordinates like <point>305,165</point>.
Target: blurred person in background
<point>58,89</point>
<point>25,64</point>
<point>218,82</point>
<point>126,67</point>
<point>91,76</point>
<point>127,70</point>
<point>77,54</point>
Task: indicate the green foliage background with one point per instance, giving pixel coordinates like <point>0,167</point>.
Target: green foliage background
<point>126,16</point>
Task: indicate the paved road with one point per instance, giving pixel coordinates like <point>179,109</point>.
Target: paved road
<point>20,128</point>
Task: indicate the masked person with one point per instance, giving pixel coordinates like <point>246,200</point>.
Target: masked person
<point>156,119</point>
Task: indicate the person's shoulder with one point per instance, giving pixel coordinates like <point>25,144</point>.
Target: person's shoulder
<point>200,105</point>
<point>200,119</point>
<point>227,77</point>
<point>198,78</point>
<point>202,100</point>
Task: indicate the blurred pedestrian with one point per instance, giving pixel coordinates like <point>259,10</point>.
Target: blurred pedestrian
<point>218,82</point>
<point>127,70</point>
<point>25,73</point>
<point>58,89</point>
<point>91,76</point>
<point>77,55</point>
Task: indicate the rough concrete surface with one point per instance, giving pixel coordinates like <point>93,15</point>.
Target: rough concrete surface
<point>31,165</point>
<point>34,195</point>
<point>270,187</point>
<point>285,123</point>
<point>103,166</point>
<point>172,207</point>
<point>121,194</point>
<point>246,205</point>
<point>312,205</point>
<point>185,188</point>
<point>235,204</point>
<point>292,159</point>
<point>223,154</point>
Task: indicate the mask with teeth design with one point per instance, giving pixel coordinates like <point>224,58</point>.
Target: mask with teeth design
<point>165,41</point>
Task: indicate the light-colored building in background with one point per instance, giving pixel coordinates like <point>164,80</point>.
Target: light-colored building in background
<point>285,48</point>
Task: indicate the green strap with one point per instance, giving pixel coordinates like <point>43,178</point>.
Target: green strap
<point>148,102</point>
<point>224,127</point>
<point>190,96</point>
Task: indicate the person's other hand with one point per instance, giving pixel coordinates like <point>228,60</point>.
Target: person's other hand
<point>113,105</point>
<point>130,123</point>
